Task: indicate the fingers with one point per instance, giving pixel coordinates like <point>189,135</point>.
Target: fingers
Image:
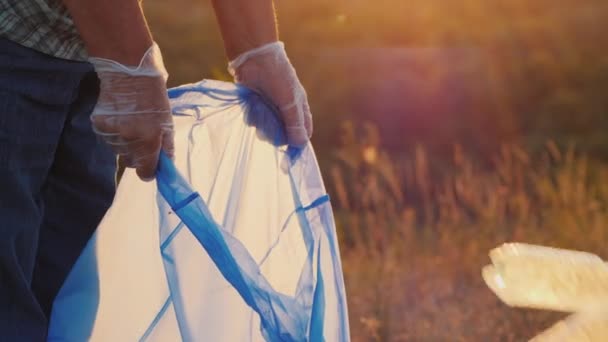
<point>298,122</point>
<point>145,165</point>
<point>294,125</point>
<point>137,139</point>
<point>308,125</point>
<point>167,143</point>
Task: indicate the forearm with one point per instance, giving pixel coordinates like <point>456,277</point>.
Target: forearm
<point>112,29</point>
<point>245,24</point>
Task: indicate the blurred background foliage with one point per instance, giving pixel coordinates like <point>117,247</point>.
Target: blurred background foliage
<point>443,129</point>
<point>474,71</point>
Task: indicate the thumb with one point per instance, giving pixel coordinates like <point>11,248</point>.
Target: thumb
<point>293,118</point>
<point>168,143</point>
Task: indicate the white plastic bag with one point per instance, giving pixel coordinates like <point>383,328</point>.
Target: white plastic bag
<point>251,255</point>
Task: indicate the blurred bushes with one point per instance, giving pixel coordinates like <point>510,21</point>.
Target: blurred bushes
<point>544,60</point>
<point>415,234</point>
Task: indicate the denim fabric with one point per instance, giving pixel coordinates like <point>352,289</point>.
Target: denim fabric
<point>56,182</point>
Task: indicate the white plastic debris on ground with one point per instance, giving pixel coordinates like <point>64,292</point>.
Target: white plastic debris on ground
<point>547,278</point>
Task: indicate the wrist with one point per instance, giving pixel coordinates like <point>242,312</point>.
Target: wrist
<point>273,48</point>
<point>111,29</point>
<point>130,53</point>
<point>129,49</point>
<point>245,24</point>
<point>235,49</point>
<point>150,65</point>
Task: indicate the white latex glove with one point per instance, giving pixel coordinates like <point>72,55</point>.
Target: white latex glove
<point>132,113</point>
<point>268,71</point>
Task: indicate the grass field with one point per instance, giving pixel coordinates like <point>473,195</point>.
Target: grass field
<point>414,238</point>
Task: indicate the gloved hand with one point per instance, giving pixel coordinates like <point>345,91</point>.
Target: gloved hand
<point>268,71</point>
<point>132,113</point>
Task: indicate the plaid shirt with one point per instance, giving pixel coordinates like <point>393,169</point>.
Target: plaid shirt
<point>42,25</point>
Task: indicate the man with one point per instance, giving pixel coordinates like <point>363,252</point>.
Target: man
<point>75,71</point>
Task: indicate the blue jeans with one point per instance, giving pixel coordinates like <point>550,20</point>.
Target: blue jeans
<point>56,182</point>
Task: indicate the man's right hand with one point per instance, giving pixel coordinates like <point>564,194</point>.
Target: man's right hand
<point>132,113</point>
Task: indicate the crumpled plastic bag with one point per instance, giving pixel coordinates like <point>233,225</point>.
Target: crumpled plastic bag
<point>234,241</point>
<point>539,277</point>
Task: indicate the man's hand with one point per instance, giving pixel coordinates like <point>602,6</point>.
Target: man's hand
<point>259,61</point>
<point>268,71</point>
<point>132,113</point>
